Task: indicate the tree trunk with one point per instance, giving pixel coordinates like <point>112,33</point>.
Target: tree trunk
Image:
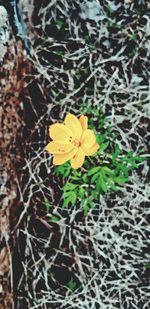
<point>12,69</point>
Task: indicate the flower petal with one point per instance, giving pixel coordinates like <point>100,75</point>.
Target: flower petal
<point>78,159</point>
<point>60,133</point>
<point>54,147</point>
<point>62,158</point>
<point>91,151</point>
<point>88,139</point>
<point>74,125</point>
<point>84,122</point>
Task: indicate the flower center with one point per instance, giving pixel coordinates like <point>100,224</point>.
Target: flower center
<point>76,142</point>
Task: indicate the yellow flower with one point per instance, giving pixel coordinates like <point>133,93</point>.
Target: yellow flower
<point>71,141</point>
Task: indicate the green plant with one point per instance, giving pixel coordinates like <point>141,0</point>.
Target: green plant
<point>88,185</point>
<point>108,170</point>
<point>49,212</point>
<point>72,284</point>
<point>59,23</point>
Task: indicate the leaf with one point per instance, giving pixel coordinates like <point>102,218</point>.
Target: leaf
<point>121,180</point>
<point>94,170</point>
<point>66,173</point>
<point>139,158</point>
<point>99,185</point>
<point>101,138</point>
<point>59,24</point>
<point>116,153</point>
<point>58,52</point>
<point>47,205</point>
<point>66,202</point>
<point>72,285</point>
<point>104,146</point>
<point>88,204</point>
<point>64,170</point>
<point>84,178</point>
<point>86,208</point>
<point>107,170</point>
<point>73,197</point>
<point>70,186</point>
<point>53,218</point>
<point>75,178</point>
<point>94,177</point>
<point>76,173</point>
<point>102,183</point>
<point>134,36</point>
<point>112,185</point>
<point>122,168</point>
<point>69,197</point>
<point>81,192</point>
<point>66,194</point>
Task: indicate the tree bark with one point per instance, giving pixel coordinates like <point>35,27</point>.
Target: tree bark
<point>12,70</point>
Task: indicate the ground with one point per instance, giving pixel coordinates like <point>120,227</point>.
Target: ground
<point>81,53</point>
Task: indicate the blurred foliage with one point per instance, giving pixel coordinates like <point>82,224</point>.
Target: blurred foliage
<point>148,265</point>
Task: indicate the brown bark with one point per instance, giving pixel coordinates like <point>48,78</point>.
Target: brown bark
<point>12,74</point>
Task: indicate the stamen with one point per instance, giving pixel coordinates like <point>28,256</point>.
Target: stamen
<point>61,150</point>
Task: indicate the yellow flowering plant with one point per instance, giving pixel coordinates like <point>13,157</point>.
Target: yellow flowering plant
<point>86,179</point>
<point>71,141</point>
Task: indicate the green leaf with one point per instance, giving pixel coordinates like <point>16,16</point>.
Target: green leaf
<point>72,285</point>
<point>86,208</point>
<point>109,9</point>
<point>81,192</point>
<point>66,202</point>
<point>76,173</point>
<point>70,186</point>
<point>47,205</point>
<point>53,218</point>
<point>59,24</point>
<point>88,204</point>
<point>122,168</point>
<point>121,180</point>
<point>73,197</point>
<point>99,185</point>
<point>69,198</point>
<point>75,178</point>
<point>64,170</point>
<point>116,153</point>
<point>66,194</point>
<point>102,183</point>
<point>104,146</point>
<point>94,177</point>
<point>112,185</point>
<point>134,36</point>
<point>94,170</point>
<point>101,138</point>
<point>66,173</point>
<point>58,52</point>
<point>139,158</point>
<point>107,170</point>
